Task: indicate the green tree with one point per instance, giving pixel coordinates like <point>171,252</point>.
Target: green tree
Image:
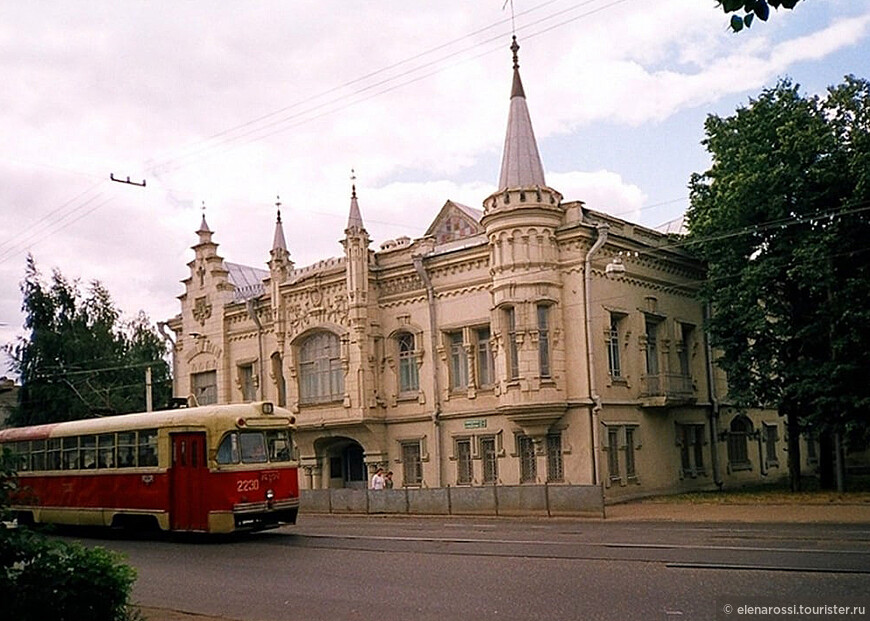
<point>752,9</point>
<point>80,359</point>
<point>781,218</point>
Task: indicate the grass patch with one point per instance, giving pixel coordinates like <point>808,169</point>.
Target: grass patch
<point>857,492</point>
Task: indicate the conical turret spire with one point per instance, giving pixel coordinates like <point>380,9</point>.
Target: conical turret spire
<point>521,164</point>
<point>278,242</point>
<point>354,219</point>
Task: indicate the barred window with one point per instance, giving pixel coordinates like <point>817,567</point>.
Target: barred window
<point>555,466</point>
<point>528,465</point>
<point>490,459</point>
<point>613,452</point>
<point>464,469</point>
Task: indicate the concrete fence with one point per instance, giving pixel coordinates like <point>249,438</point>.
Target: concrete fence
<point>501,500</point>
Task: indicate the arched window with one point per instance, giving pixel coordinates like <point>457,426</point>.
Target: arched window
<point>738,443</point>
<point>409,380</point>
<point>321,378</point>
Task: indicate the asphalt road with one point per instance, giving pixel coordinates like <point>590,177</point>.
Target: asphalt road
<point>384,569</point>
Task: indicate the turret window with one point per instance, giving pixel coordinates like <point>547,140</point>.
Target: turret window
<point>513,360</point>
<point>544,339</point>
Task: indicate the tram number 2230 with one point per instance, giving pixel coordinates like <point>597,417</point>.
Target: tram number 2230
<point>247,485</point>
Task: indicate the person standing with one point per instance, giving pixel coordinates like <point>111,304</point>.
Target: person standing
<point>388,480</point>
<point>378,479</point>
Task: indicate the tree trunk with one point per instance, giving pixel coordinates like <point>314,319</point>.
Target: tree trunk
<point>794,451</point>
<point>826,460</point>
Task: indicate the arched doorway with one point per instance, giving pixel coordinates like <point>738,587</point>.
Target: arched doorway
<point>343,461</point>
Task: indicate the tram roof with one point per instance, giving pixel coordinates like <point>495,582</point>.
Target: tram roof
<point>180,417</point>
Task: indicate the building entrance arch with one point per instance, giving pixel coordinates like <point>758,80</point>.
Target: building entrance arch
<point>344,463</point>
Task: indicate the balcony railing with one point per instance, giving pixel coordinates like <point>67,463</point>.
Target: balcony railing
<point>667,389</point>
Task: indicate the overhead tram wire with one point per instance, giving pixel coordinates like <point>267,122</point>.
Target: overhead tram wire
<point>49,230</point>
<point>333,89</point>
<point>310,114</point>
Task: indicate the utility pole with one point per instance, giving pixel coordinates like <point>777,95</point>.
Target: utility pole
<point>149,406</point>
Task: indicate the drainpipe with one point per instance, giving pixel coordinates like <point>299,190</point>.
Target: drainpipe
<point>714,400</point>
<point>601,230</point>
<point>251,305</point>
<point>433,331</point>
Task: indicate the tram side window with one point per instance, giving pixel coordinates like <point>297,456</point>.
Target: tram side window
<point>106,450</point>
<point>53,454</point>
<point>148,447</point>
<point>279,445</point>
<point>37,452</point>
<point>253,447</point>
<point>89,452</point>
<point>127,449</point>
<point>70,458</point>
<point>21,455</point>
<point>228,451</point>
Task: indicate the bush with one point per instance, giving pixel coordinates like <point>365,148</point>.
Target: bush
<point>49,579</point>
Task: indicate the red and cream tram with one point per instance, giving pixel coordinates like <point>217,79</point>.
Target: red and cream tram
<point>213,469</point>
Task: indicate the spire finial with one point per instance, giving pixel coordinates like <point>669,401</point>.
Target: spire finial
<point>278,206</point>
<point>353,183</point>
<point>515,47</point>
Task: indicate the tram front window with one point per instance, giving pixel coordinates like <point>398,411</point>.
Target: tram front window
<point>253,446</point>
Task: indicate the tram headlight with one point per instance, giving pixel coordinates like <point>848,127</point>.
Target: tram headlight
<point>270,494</point>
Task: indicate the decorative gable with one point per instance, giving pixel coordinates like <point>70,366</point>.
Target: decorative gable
<point>455,221</point>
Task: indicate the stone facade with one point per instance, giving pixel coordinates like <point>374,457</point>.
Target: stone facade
<point>532,342</point>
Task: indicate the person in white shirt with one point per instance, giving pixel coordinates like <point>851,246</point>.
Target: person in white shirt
<point>378,479</point>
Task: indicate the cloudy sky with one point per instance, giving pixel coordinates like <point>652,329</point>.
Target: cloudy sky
<point>232,104</point>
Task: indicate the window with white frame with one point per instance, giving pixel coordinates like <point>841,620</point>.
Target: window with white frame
<point>543,312</point>
<point>484,360</point>
<point>409,380</point>
<point>614,362</point>
<point>321,378</point>
<point>464,468</point>
<point>412,463</point>
<point>489,457</point>
<point>458,361</point>
<point>528,462</point>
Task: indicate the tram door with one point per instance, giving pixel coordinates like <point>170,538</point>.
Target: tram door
<point>188,510</point>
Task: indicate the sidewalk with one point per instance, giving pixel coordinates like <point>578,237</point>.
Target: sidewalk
<point>670,511</point>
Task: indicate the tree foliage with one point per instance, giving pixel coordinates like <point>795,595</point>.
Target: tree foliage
<point>782,219</point>
<point>80,359</point>
<point>751,10</point>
